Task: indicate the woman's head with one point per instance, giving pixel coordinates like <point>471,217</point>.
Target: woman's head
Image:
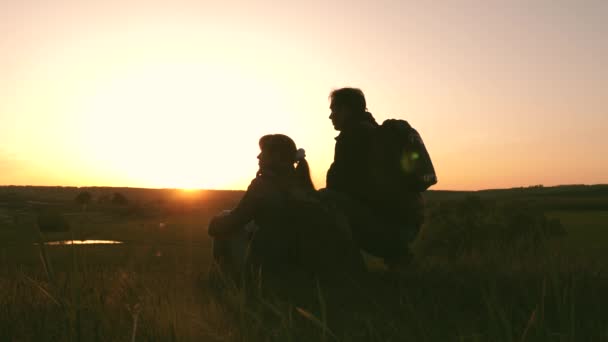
<point>279,154</point>
<point>277,151</point>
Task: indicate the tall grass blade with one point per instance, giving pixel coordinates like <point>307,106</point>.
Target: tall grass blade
<point>542,301</point>
<point>316,321</point>
<point>531,322</point>
<point>135,314</point>
<point>323,310</point>
<point>43,290</point>
<point>48,269</point>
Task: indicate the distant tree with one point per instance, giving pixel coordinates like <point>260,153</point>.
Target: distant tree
<point>105,198</point>
<point>119,199</point>
<point>537,186</point>
<point>49,222</point>
<point>84,198</point>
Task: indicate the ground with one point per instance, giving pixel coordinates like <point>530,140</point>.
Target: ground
<point>154,286</point>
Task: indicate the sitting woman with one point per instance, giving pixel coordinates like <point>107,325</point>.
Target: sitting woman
<point>280,229</point>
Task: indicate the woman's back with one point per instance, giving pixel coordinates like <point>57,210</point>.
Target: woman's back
<point>298,231</point>
<point>299,239</point>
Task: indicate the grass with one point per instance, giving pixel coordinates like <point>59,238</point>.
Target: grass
<point>155,287</point>
<point>587,232</point>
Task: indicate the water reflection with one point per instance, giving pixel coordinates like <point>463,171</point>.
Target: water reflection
<point>83,242</point>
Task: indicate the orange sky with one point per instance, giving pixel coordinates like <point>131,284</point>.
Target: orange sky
<point>177,93</point>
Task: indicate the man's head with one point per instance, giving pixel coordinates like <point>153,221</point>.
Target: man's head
<point>344,103</point>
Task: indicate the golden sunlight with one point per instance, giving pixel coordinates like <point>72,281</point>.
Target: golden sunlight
<point>177,126</point>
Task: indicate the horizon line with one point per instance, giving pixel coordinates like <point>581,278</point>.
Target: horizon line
<point>211,189</point>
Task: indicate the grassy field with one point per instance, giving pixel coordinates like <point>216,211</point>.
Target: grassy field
<point>587,233</point>
<point>155,287</point>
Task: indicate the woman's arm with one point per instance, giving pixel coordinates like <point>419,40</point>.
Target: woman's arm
<point>230,221</point>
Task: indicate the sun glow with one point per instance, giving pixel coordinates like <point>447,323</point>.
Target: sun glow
<point>177,126</point>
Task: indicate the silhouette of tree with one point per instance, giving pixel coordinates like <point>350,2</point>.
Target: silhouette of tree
<point>84,198</point>
<point>105,198</point>
<point>119,199</point>
<point>49,222</point>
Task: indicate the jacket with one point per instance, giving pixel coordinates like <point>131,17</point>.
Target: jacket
<point>350,172</point>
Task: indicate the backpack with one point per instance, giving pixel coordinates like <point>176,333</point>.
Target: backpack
<point>400,161</point>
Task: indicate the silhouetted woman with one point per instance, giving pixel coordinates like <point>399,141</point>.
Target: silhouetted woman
<point>293,235</point>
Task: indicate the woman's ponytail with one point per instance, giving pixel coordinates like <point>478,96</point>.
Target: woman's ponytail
<point>303,170</point>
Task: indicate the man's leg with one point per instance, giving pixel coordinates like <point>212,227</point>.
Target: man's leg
<point>385,233</point>
<point>399,252</point>
<point>374,233</point>
<point>358,216</point>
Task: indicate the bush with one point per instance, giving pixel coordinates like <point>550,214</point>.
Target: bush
<point>51,222</point>
<point>83,198</point>
<point>119,199</point>
<point>472,226</point>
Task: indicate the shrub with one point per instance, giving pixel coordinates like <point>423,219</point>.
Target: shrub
<point>50,222</point>
<point>473,226</point>
<point>119,199</point>
<point>83,198</point>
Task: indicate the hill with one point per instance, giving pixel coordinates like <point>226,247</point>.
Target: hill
<point>562,197</point>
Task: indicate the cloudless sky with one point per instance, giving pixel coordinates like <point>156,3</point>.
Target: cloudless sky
<point>177,93</point>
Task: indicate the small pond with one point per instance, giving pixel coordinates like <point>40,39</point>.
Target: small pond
<point>83,242</point>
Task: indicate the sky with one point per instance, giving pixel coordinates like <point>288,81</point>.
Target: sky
<point>172,94</point>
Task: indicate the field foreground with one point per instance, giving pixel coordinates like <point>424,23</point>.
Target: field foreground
<point>155,286</point>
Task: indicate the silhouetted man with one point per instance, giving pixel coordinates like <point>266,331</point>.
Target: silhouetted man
<point>383,225</point>
<point>349,173</point>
